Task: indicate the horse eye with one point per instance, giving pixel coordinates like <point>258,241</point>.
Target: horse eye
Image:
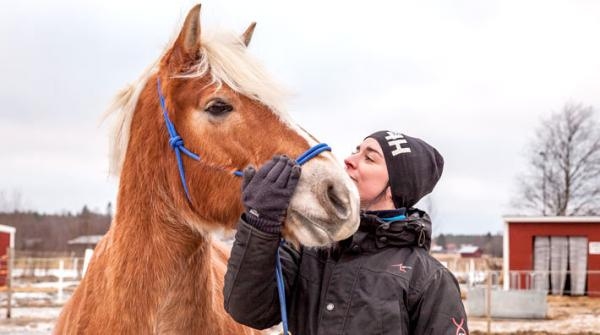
<point>218,107</point>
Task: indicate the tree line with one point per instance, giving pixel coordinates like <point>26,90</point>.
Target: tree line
<point>41,233</point>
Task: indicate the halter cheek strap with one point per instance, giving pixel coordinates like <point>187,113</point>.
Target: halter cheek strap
<point>175,141</point>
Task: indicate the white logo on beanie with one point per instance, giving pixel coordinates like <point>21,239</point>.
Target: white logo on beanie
<point>396,140</point>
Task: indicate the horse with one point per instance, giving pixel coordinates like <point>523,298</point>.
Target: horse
<point>160,268</point>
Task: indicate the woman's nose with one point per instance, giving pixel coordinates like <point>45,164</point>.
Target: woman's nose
<point>349,162</point>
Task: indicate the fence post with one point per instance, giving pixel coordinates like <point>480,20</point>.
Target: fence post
<point>488,301</point>
<point>61,274</point>
<point>9,266</point>
<point>75,263</point>
<point>86,260</point>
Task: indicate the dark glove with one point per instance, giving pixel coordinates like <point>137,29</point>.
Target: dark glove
<point>266,193</point>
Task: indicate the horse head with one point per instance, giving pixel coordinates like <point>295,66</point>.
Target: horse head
<point>227,110</point>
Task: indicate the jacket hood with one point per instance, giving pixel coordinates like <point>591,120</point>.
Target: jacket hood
<point>413,230</point>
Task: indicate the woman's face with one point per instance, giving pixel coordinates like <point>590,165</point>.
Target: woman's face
<point>366,167</point>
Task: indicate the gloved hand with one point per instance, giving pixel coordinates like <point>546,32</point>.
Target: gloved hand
<point>266,193</point>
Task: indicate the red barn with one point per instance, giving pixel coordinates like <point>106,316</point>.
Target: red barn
<point>7,240</point>
<point>558,254</point>
<point>470,251</point>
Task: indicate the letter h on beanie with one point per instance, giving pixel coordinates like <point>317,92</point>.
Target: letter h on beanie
<point>414,167</point>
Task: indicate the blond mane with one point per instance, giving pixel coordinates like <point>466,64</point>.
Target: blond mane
<point>225,58</point>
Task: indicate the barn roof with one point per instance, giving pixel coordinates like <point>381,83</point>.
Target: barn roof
<point>468,249</point>
<point>7,229</point>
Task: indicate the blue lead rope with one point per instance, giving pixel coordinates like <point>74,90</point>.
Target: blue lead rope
<point>281,292</point>
<point>176,142</point>
<point>305,157</point>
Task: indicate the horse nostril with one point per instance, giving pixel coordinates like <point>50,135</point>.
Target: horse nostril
<point>338,205</point>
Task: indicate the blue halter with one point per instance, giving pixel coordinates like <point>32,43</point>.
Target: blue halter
<point>176,142</point>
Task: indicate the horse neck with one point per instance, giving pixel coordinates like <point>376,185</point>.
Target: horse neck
<point>149,217</point>
<point>154,240</point>
<point>162,261</point>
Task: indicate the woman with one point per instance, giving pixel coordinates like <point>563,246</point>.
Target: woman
<point>382,280</point>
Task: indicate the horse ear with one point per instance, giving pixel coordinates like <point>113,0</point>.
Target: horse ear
<point>247,35</point>
<point>186,48</point>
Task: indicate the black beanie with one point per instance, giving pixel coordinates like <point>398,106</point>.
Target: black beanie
<point>414,167</point>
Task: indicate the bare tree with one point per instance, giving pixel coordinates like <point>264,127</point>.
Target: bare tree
<point>11,202</point>
<point>564,165</point>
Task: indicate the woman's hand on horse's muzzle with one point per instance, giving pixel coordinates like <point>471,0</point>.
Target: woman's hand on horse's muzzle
<point>266,193</point>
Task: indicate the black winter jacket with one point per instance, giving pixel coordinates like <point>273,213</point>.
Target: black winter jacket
<point>382,280</point>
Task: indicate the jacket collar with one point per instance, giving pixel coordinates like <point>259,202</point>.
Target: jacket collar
<point>375,232</point>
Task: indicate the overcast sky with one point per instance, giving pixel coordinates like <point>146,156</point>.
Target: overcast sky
<point>473,78</point>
